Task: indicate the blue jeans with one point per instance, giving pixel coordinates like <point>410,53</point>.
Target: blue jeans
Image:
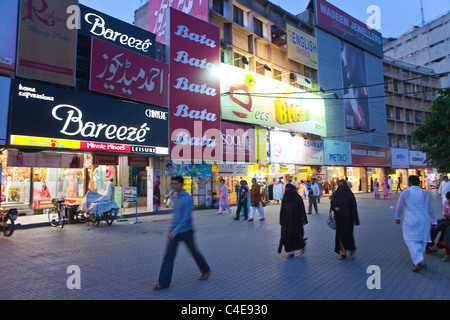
<point>165,275</point>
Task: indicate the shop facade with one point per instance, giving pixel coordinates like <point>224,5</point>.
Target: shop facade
<point>76,146</point>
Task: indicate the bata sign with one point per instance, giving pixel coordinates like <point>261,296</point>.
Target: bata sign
<point>69,120</point>
<point>194,88</point>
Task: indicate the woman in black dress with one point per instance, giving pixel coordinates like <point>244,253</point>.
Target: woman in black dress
<point>343,204</point>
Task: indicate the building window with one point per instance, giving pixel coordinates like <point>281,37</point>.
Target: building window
<point>218,6</point>
<point>388,112</point>
<point>418,118</point>
<point>399,142</point>
<point>389,140</point>
<point>395,85</point>
<point>386,83</point>
<point>238,16</point>
<point>258,27</point>
<point>405,88</point>
<point>398,114</point>
<point>407,115</point>
<point>409,141</point>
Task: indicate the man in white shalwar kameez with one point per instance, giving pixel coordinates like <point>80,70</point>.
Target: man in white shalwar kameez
<point>414,208</point>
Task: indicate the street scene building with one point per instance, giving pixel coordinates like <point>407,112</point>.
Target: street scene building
<point>273,96</point>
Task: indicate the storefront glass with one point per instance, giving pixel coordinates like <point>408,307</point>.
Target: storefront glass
<point>375,173</point>
<point>15,186</point>
<point>357,177</point>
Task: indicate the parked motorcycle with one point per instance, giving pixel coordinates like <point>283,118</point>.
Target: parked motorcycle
<point>8,216</point>
<point>96,207</point>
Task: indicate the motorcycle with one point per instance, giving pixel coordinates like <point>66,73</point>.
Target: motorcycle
<point>95,207</point>
<point>8,216</point>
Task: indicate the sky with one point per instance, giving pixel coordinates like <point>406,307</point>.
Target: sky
<point>397,16</point>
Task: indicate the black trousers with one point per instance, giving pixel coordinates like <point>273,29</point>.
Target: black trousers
<point>165,275</point>
<point>240,205</point>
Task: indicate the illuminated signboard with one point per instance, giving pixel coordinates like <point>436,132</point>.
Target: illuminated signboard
<point>252,98</point>
<point>54,118</point>
<point>302,47</point>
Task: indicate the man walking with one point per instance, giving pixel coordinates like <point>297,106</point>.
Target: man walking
<point>414,208</point>
<point>181,230</point>
<point>242,201</point>
<point>315,193</point>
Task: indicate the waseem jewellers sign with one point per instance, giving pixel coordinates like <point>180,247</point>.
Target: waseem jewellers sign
<point>49,117</point>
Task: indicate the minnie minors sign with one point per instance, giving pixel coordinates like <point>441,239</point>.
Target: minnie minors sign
<point>194,99</point>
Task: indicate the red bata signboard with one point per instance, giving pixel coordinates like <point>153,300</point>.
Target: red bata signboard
<point>124,73</point>
<point>194,89</point>
<point>370,156</point>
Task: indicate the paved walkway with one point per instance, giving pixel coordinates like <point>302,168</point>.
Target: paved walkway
<point>122,261</point>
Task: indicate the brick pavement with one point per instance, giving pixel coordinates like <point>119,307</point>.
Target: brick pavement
<point>122,261</point>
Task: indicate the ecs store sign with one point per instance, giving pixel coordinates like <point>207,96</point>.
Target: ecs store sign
<point>81,121</point>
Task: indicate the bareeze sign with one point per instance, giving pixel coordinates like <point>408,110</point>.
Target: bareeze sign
<point>344,26</point>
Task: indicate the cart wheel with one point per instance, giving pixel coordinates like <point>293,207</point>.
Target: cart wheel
<point>8,226</point>
<point>97,221</point>
<point>109,217</point>
<point>80,217</point>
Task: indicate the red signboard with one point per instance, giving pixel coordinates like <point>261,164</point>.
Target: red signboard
<point>370,156</point>
<point>124,73</point>
<point>194,89</point>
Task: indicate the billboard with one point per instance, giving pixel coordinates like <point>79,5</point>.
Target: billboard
<point>124,73</point>
<point>254,99</point>
<point>354,78</point>
<point>370,156</point>
<point>337,153</point>
<point>400,158</point>
<point>302,47</point>
<point>46,46</point>
<point>5,88</point>
<point>8,36</point>
<point>344,26</point>
<point>194,89</point>
<point>238,142</point>
<point>288,149</point>
<point>102,26</point>
<point>417,159</point>
<point>53,118</point>
<point>158,10</point>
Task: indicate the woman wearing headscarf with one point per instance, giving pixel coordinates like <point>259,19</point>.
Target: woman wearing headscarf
<point>292,219</point>
<point>376,189</point>
<point>343,204</point>
<point>385,186</point>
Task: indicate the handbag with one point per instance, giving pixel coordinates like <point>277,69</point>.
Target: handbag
<point>331,222</point>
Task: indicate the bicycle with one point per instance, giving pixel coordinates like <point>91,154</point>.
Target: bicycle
<point>7,221</point>
<point>57,215</point>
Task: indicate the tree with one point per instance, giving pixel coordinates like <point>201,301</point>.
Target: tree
<point>434,134</point>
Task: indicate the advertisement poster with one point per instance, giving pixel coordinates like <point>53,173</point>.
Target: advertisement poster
<point>287,149</point>
<point>21,159</point>
<point>188,170</point>
<point>302,47</point>
<point>339,23</point>
<point>124,73</point>
<point>356,104</point>
<point>8,36</point>
<point>417,159</point>
<point>76,120</point>
<point>102,26</point>
<point>400,158</point>
<point>194,89</point>
<point>233,170</point>
<point>337,153</point>
<point>254,99</point>
<point>46,47</point>
<point>158,10</point>
<point>370,156</point>
<point>238,142</point>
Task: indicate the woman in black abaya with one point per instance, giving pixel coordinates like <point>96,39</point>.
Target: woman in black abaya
<point>292,219</point>
<point>343,204</point>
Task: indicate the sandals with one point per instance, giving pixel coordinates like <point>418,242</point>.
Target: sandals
<point>159,287</point>
<point>419,267</point>
<point>205,276</point>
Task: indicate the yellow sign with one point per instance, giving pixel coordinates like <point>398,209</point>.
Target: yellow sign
<point>44,142</point>
<point>302,47</point>
<point>261,144</point>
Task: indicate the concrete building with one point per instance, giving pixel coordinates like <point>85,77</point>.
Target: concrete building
<point>426,46</point>
<point>410,91</point>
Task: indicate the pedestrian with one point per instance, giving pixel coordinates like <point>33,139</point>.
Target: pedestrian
<point>292,219</point>
<point>223,197</point>
<point>348,183</point>
<point>442,187</point>
<point>391,184</point>
<point>399,184</point>
<point>344,206</point>
<point>109,192</point>
<point>385,186</point>
<point>442,227</point>
<point>255,201</point>
<point>414,208</point>
<point>242,201</point>
<point>157,195</point>
<point>278,190</point>
<point>314,195</point>
<point>181,230</point>
<point>376,190</point>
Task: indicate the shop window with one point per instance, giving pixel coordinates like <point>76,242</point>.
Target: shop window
<point>15,184</point>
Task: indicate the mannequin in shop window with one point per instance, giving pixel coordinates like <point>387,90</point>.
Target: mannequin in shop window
<point>99,179</point>
<point>71,190</point>
<point>143,182</point>
<point>109,192</point>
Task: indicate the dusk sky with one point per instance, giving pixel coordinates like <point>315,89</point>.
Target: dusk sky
<point>397,16</point>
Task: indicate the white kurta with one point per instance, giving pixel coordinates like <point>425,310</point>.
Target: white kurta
<point>277,191</point>
<point>414,208</point>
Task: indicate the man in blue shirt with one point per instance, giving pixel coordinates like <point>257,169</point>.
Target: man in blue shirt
<point>181,230</point>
